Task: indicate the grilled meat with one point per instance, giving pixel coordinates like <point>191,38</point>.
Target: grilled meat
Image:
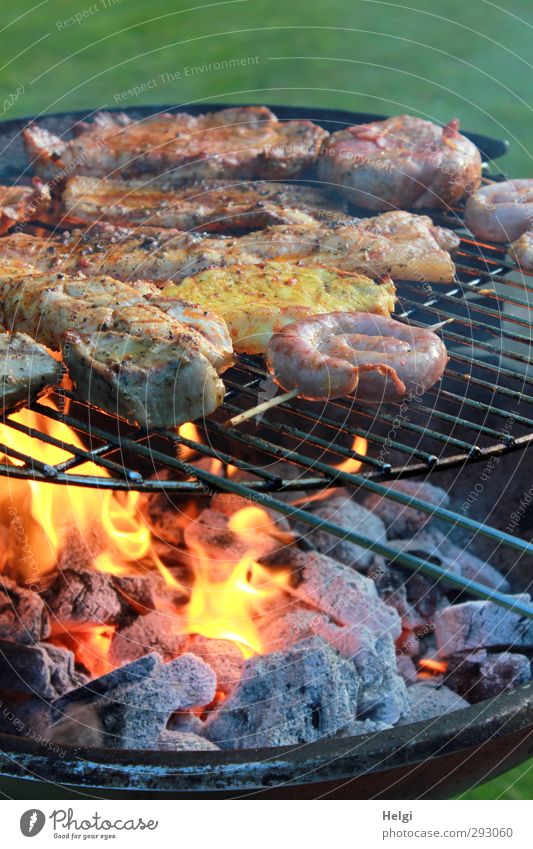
<point>399,244</point>
<point>256,301</point>
<point>211,205</point>
<point>64,313</point>
<point>401,163</point>
<point>155,384</point>
<point>373,357</point>
<point>27,371</point>
<point>521,251</point>
<point>244,142</point>
<point>22,203</point>
<point>501,212</point>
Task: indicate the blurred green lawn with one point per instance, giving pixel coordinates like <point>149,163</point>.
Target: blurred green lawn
<point>451,59</point>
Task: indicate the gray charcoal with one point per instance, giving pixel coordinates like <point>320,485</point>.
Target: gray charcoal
<point>458,560</point>
<point>426,700</point>
<point>363,726</point>
<point>84,595</point>
<point>481,624</point>
<point>223,656</point>
<point>305,693</point>
<point>41,669</point>
<point>29,717</point>
<point>391,588</point>
<point>479,675</point>
<point>352,516</point>
<point>157,631</point>
<point>347,597</point>
<point>23,617</point>
<point>186,721</point>
<point>381,688</point>
<point>142,592</point>
<point>183,741</point>
<point>166,518</point>
<point>130,707</point>
<point>406,668</point>
<point>400,520</point>
<point>383,692</point>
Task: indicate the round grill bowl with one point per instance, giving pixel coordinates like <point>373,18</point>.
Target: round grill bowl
<point>438,758</point>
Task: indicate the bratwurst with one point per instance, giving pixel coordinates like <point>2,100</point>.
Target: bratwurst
<point>373,357</point>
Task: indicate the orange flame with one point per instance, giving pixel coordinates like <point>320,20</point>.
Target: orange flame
<point>351,465</point>
<point>225,609</point>
<point>119,542</point>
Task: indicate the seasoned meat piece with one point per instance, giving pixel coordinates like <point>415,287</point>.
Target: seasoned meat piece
<point>210,205</point>
<point>154,384</point>
<point>256,301</point>
<point>244,142</point>
<point>50,306</point>
<point>501,212</point>
<point>401,163</point>
<point>399,244</point>
<point>27,371</point>
<point>97,322</point>
<point>521,251</point>
<point>22,203</point>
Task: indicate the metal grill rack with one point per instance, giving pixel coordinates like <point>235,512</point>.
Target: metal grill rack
<point>482,408</point>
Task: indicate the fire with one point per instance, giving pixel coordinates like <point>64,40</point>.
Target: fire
<point>188,431</point>
<point>351,465</point>
<point>112,535</point>
<point>225,609</point>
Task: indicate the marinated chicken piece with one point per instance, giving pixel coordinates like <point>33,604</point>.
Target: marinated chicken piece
<point>521,251</point>
<point>73,315</point>
<point>501,212</point>
<point>406,246</point>
<point>27,371</point>
<point>153,384</point>
<point>401,163</point>
<point>50,306</point>
<point>22,203</point>
<point>244,142</point>
<point>210,205</point>
<point>256,302</point>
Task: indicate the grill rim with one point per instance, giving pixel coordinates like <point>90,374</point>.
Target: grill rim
<point>338,759</point>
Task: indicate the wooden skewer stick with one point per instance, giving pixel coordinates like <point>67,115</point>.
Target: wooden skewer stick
<point>260,408</point>
<point>440,324</point>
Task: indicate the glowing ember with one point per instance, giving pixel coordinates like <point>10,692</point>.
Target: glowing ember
<point>430,667</point>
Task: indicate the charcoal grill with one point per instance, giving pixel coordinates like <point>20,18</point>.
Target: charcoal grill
<point>483,409</point>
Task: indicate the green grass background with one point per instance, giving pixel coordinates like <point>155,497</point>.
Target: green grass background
<point>438,60</point>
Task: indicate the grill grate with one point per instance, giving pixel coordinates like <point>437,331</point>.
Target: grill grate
<point>482,408</point>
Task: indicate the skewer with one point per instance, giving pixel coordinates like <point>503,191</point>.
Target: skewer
<point>440,324</point>
<point>260,408</point>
